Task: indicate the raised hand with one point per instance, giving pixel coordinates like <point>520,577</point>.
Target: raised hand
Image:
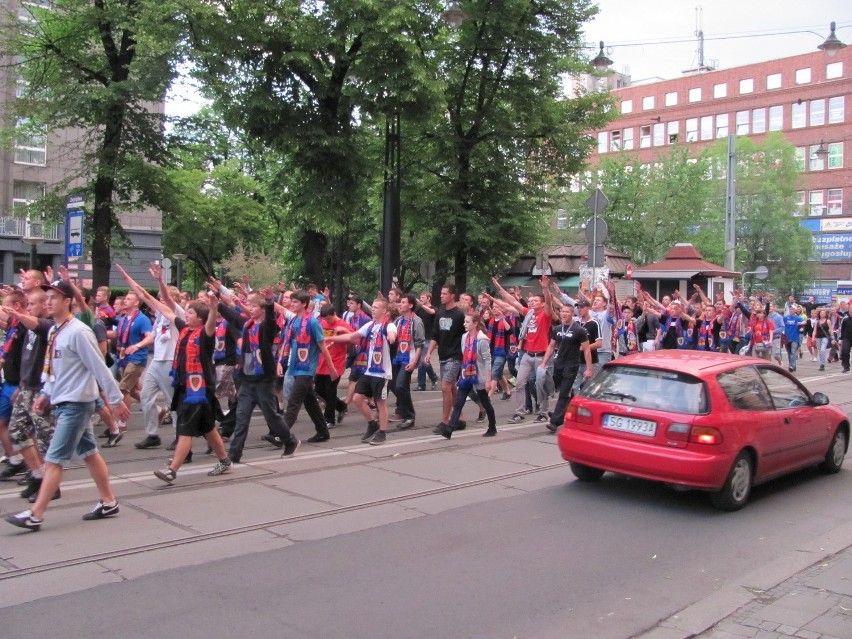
<point>156,271</point>
<point>64,275</point>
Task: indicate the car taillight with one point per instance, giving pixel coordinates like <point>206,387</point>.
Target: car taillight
<point>705,435</point>
<point>578,414</point>
<point>678,432</point>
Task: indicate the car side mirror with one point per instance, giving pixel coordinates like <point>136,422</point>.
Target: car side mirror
<point>820,399</point>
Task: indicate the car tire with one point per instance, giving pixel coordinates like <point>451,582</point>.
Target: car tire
<point>836,452</point>
<point>585,473</point>
<point>737,488</point>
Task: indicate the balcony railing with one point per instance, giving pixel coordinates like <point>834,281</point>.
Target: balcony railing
<point>16,227</point>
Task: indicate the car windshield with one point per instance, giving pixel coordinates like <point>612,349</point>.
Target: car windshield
<point>648,388</point>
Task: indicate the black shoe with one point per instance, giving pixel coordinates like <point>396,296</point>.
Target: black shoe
<point>439,428</point>
<point>167,475</point>
<point>113,439</point>
<point>25,479</point>
<point>173,445</point>
<point>408,423</point>
<point>167,420</point>
<point>31,489</point>
<point>490,432</point>
<point>151,441</point>
<point>11,470</point>
<point>552,427</point>
<point>101,511</point>
<point>378,438</point>
<point>460,425</point>
<point>32,498</point>
<point>272,439</point>
<point>318,439</point>
<point>845,370</point>
<point>25,520</point>
<point>446,432</point>
<point>420,388</point>
<point>104,434</point>
<point>482,417</point>
<point>372,427</point>
<point>291,447</point>
<point>342,413</point>
<point>822,368</point>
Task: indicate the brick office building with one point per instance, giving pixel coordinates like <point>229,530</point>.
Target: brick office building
<point>806,97</point>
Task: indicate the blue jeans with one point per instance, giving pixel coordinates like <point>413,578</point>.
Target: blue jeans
<point>792,353</point>
<point>73,432</point>
<point>423,370</point>
<point>823,344</point>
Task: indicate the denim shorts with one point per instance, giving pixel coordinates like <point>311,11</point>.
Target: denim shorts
<point>73,433</point>
<point>498,363</point>
<point>6,393</point>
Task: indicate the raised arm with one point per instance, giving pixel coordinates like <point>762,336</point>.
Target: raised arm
<point>156,272</point>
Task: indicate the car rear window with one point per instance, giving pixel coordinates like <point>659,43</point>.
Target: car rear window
<point>648,388</point>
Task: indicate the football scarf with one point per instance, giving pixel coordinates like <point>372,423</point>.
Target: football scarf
<point>219,348</point>
<point>498,336</point>
<point>682,342</point>
<point>705,336</point>
<point>302,339</point>
<point>251,336</point>
<point>405,342</point>
<point>189,353</point>
<point>377,337</point>
<point>630,338</point>
<point>732,326</point>
<point>124,333</point>
<point>469,371</point>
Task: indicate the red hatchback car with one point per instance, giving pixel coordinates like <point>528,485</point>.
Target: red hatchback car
<point>692,419</point>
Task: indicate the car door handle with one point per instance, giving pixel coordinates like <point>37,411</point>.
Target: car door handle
<point>787,420</point>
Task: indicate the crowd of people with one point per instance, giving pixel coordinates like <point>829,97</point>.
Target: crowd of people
<point>74,363</point>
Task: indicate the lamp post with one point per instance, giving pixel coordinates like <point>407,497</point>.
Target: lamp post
<point>34,236</point>
<point>179,258</point>
<point>832,44</point>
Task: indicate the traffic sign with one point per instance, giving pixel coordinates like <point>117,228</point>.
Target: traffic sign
<point>597,202</point>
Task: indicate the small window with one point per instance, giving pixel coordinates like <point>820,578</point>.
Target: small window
<point>671,98</point>
<point>758,121</point>
<point>799,115</point>
<point>673,130</point>
<point>692,129</point>
<point>695,94</point>
<point>722,125</point>
<point>602,142</point>
<point>628,139</point>
<point>561,219</point>
<point>659,134</point>
<point>816,203</point>
<point>649,388</point>
<point>773,81</point>
<point>648,102</point>
<point>833,70</point>
<point>627,106</point>
<point>785,393</point>
<point>803,76</point>
<point>776,118</point>
<point>834,201</point>
<point>24,193</point>
<point>817,113</point>
<point>816,162</point>
<point>615,140</point>
<point>707,127</point>
<point>799,211</point>
<point>800,153</point>
<point>835,155</point>
<point>747,86</point>
<point>30,148</point>
<point>645,136</point>
<point>742,122</point>
<point>720,90</point>
<point>836,110</point>
<point>745,389</point>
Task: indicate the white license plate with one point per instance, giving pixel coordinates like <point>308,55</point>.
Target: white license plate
<point>630,425</point>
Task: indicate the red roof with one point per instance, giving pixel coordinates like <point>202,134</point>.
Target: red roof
<point>685,257</point>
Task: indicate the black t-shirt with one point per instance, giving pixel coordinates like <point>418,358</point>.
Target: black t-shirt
<point>12,355</point>
<point>34,348</point>
<point>207,345</point>
<point>568,338</point>
<point>448,331</point>
<point>672,335</point>
<point>428,320</point>
<point>593,331</point>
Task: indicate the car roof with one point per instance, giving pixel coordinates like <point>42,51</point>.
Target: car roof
<point>687,361</point>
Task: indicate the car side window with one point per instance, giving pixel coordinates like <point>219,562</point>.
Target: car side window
<point>784,391</point>
<point>745,389</point>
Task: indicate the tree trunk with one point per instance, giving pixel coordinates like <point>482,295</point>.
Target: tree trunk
<point>313,255</point>
<point>461,268</point>
<point>102,216</point>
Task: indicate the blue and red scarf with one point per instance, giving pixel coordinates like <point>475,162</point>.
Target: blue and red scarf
<point>499,335</point>
<point>189,353</point>
<point>682,342</point>
<point>11,332</point>
<point>219,349</point>
<point>469,370</point>
<point>302,340</point>
<point>705,337</point>
<point>251,336</point>
<point>405,340</point>
<point>377,337</point>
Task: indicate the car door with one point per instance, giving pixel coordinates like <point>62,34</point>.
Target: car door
<point>804,429</point>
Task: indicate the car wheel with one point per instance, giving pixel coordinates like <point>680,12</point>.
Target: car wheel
<point>737,488</point>
<point>836,452</point>
<point>585,473</point>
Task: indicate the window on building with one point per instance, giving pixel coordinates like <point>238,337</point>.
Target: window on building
<point>833,70</point>
<point>671,98</point>
<point>742,122</point>
<point>799,211</point>
<point>836,110</point>
<point>776,118</point>
<point>834,201</point>
<point>561,219</point>
<point>659,134</point>
<point>799,115</point>
<point>835,155</point>
<point>803,76</point>
<point>615,140</point>
<point>602,139</point>
<point>707,127</point>
<point>627,106</point>
<point>645,136</point>
<point>648,102</point>
<point>695,94</point>
<point>747,86</point>
<point>722,125</point>
<point>628,139</point>
<point>800,158</point>
<point>720,90</point>
<point>816,203</point>
<point>773,81</point>
<point>673,132</point>
<point>758,121</point>
<point>816,162</point>
<point>23,193</point>
<point>817,112</point>
<point>692,129</point>
<point>30,148</point>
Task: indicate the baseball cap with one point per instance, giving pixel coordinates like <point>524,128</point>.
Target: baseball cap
<point>63,288</point>
<point>584,303</point>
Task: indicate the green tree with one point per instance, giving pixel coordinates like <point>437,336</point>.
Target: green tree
<point>98,66</point>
